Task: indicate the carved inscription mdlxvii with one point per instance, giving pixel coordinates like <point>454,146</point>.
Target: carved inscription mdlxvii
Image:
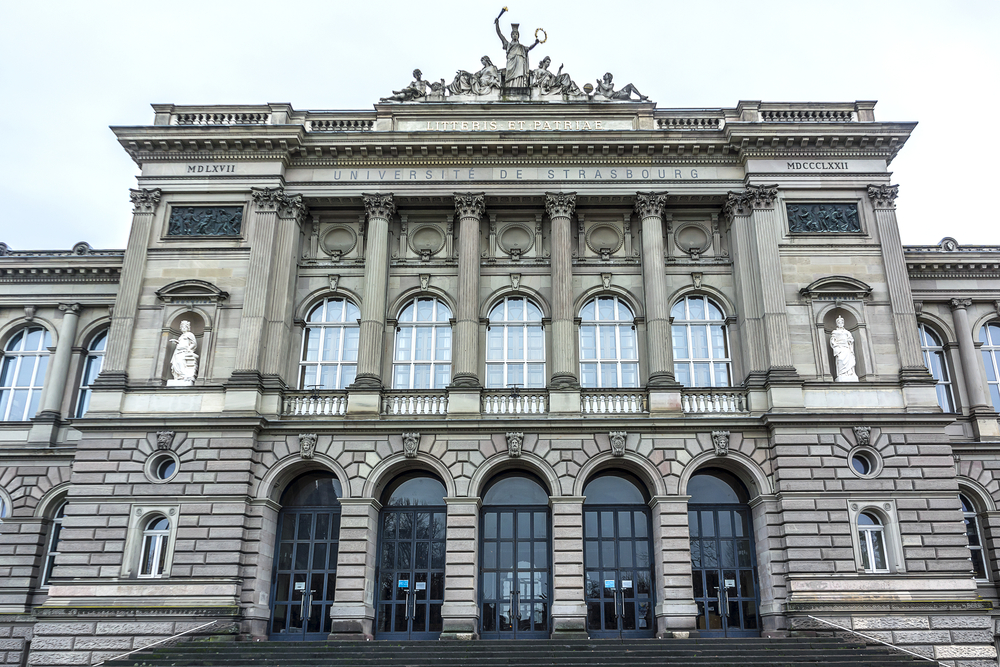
<point>205,221</point>
<point>823,218</point>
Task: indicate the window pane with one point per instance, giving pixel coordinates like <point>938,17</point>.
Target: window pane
<point>331,344</point>
<point>443,348</point>
<point>351,343</point>
<point>494,343</point>
<point>442,375</point>
<point>536,376</point>
<point>991,375</point>
<point>587,313</point>
<point>721,375</point>
<point>719,350</point>
<point>696,306</point>
<point>422,376</point>
<point>401,377</point>
<point>422,345</point>
<point>26,370</point>
<point>515,343</point>
<point>425,310</point>
<point>41,363</point>
<point>863,539</point>
<point>630,375</point>
<point>588,342</point>
<point>347,374</point>
<point>403,343</point>
<point>609,375</point>
<point>311,351</point>
<point>682,374</point>
<point>702,378</point>
<point>713,312</point>
<point>679,334</point>
<point>536,346</point>
<point>605,309</point>
<point>994,334</point>
<point>33,341</point>
<point>515,310</point>
<point>7,374</point>
<point>588,375</point>
<point>699,342</point>
<point>609,349</point>
<point>878,548</point>
<point>677,312</point>
<point>494,375</point>
<point>515,374</point>
<point>626,337</point>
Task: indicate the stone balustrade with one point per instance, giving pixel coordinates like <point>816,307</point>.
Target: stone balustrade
<point>704,123</point>
<point>409,403</point>
<point>503,402</point>
<point>302,404</point>
<point>708,400</point>
<point>220,119</point>
<point>341,124</point>
<point>613,402</point>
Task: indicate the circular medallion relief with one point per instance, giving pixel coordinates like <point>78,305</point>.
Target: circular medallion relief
<point>692,238</point>
<point>426,239</point>
<point>338,239</point>
<point>604,238</point>
<point>515,237</point>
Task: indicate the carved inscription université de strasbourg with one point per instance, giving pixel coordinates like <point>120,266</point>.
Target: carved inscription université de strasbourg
<point>205,221</point>
<point>823,218</point>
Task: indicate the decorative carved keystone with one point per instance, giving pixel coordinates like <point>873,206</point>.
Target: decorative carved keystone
<point>379,205</point>
<point>560,204</point>
<point>470,205</point>
<point>164,439</point>
<point>650,204</point>
<point>411,441</point>
<point>862,435</point>
<point>617,442</point>
<point>144,200</point>
<point>883,196</point>
<point>514,442</point>
<point>721,441</point>
<point>307,445</point>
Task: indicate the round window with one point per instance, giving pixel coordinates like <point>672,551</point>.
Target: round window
<point>162,467</point>
<point>865,462</point>
<point>861,464</point>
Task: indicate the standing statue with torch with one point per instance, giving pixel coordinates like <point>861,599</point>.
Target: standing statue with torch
<point>516,74</point>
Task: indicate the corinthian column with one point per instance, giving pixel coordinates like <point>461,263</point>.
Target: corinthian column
<point>281,302</point>
<point>749,312</point>
<point>560,206</point>
<point>904,317</point>
<point>470,208</point>
<point>984,420</point>
<point>649,206</point>
<point>379,208</point>
<point>114,373</point>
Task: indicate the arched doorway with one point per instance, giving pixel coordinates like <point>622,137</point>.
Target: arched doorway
<point>723,557</point>
<point>411,554</point>
<point>305,559</point>
<point>515,590</point>
<point>617,561</point>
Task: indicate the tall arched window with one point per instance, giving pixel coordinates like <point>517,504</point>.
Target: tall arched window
<point>53,545</point>
<point>330,345</point>
<point>937,364</point>
<point>515,345</point>
<point>25,359</point>
<point>609,355</point>
<point>989,336</point>
<point>871,535</point>
<point>153,560</point>
<point>701,344</point>
<point>91,369</point>
<point>974,534</point>
<point>423,346</point>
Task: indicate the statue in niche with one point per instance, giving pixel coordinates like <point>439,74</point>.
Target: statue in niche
<point>549,83</point>
<point>416,89</point>
<point>483,82</point>
<point>606,88</point>
<point>516,74</point>
<point>842,342</point>
<point>184,362</point>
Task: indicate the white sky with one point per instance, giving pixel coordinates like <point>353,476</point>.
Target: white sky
<point>68,70</point>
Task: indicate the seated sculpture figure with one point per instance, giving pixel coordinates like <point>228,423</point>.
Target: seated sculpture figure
<point>482,82</point>
<point>606,88</point>
<point>416,89</point>
<point>549,83</point>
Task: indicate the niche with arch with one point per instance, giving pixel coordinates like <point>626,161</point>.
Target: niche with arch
<point>859,334</point>
<point>198,302</point>
<point>173,332</point>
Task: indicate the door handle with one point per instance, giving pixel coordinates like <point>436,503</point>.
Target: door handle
<point>409,598</point>
<point>721,598</point>
<point>306,599</point>
<point>622,614</point>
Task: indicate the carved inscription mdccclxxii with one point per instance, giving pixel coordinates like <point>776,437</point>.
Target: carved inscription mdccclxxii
<point>205,221</point>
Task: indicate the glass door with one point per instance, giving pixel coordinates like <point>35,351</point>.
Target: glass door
<point>619,575</point>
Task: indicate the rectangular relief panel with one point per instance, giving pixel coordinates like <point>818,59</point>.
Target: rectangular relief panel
<point>205,221</point>
<point>817,218</point>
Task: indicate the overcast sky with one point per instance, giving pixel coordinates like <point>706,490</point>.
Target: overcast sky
<point>68,70</point>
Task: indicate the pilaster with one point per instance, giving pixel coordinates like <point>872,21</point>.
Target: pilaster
<point>45,424</point>
<point>353,616</point>
<point>984,420</point>
<point>569,605</point>
<point>460,611</point>
<point>676,611</point>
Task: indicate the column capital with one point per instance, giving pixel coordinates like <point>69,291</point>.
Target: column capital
<point>144,200</point>
<point>560,204</point>
<point>268,199</point>
<point>650,204</point>
<point>883,196</point>
<point>470,204</point>
<point>73,308</point>
<point>753,197</point>
<point>960,304</point>
<point>379,205</point>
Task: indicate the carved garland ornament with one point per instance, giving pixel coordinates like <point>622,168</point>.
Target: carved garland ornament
<point>514,442</point>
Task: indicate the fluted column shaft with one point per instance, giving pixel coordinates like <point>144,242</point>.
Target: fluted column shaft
<point>749,310</point>
<point>115,366</point>
<point>904,316</point>
<point>281,296</point>
<point>470,208</point>
<point>971,363</point>
<point>52,394</point>
<point>649,206</point>
<point>767,234</point>
<point>560,208</point>
<point>380,209</point>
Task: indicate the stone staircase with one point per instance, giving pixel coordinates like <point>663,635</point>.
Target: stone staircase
<point>828,652</point>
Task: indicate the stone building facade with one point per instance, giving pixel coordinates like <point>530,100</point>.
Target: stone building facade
<point>516,369</point>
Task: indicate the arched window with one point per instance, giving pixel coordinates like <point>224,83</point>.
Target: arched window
<point>871,536</point>
<point>423,346</point>
<point>4,505</point>
<point>701,344</point>
<point>91,369</point>
<point>330,345</point>
<point>974,534</point>
<point>937,364</point>
<point>989,336</point>
<point>25,359</point>
<point>515,345</point>
<point>53,545</point>
<point>154,547</point>
<point>609,356</point>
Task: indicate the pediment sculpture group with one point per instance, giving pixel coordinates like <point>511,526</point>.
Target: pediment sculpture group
<point>516,79</point>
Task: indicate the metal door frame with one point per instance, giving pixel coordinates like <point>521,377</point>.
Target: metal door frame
<point>727,630</point>
<point>326,604</point>
<point>514,632</point>
<point>620,633</point>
